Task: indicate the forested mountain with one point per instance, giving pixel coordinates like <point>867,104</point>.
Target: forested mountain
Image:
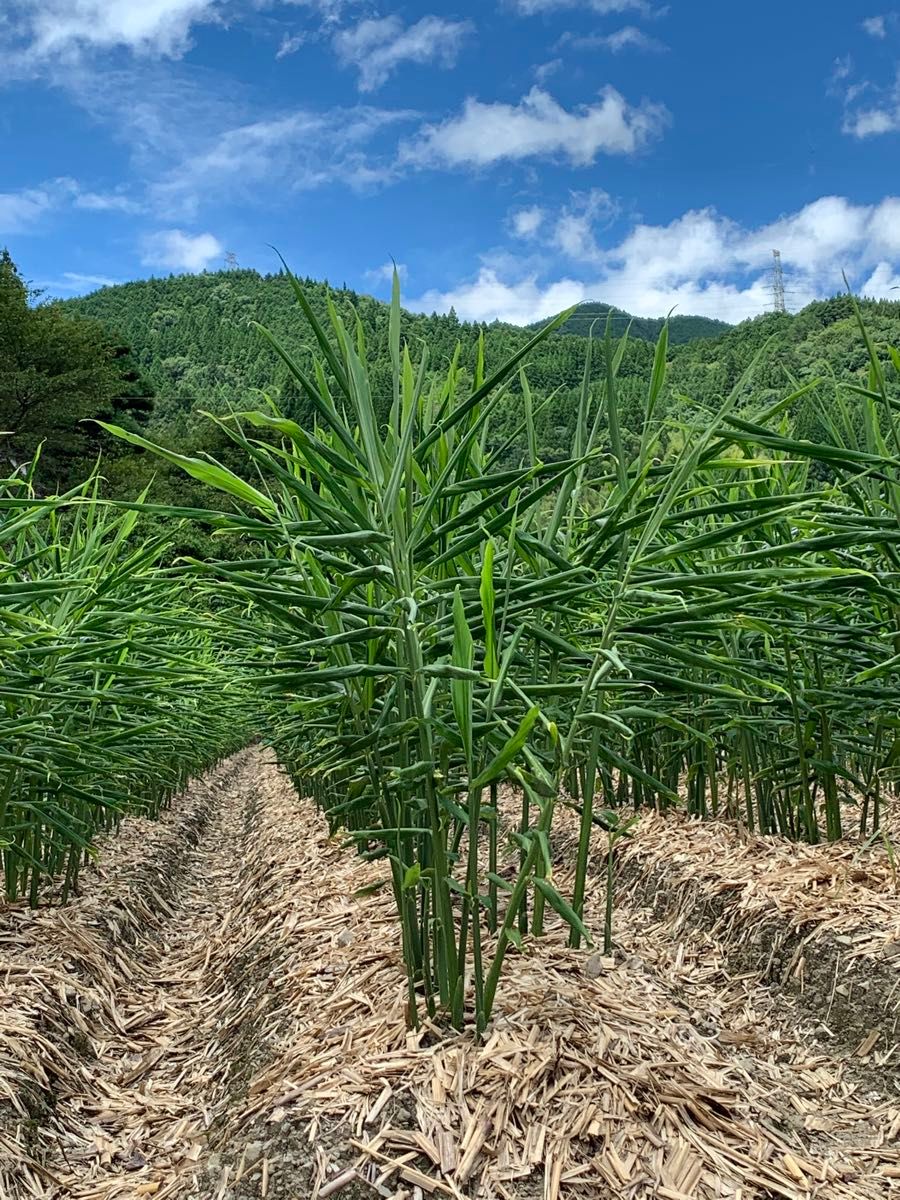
<point>159,354</point>
<point>592,315</point>
<point>194,337</point>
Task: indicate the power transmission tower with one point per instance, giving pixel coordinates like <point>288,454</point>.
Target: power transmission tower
<point>231,261</point>
<point>778,283</point>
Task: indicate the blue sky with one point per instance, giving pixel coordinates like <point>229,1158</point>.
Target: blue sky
<point>512,156</point>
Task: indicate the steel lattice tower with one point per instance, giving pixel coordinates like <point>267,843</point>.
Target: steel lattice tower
<point>778,283</point>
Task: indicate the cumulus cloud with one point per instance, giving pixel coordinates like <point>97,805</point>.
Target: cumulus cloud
<point>63,28</point>
<point>489,298</point>
<point>385,273</point>
<point>530,8</point>
<point>875,27</point>
<point>572,229</point>
<point>872,122</point>
<point>537,127</point>
<point>377,46</point>
<point>879,112</point>
<point>879,118</point>
<point>702,262</point>
<point>526,222</point>
<point>180,251</point>
<point>884,280</point>
<point>628,38</point>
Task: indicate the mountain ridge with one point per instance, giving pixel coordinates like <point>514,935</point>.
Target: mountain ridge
<point>195,338</point>
<point>683,328</point>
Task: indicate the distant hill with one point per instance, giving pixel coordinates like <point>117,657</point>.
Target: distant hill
<point>194,340</point>
<point>682,329</point>
<point>823,340</point>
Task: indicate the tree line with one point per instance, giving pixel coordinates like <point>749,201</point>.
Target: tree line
<point>155,355</point>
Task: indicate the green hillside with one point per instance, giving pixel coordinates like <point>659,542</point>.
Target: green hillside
<point>194,338</point>
<point>593,314</point>
<point>822,342</point>
<point>196,341</point>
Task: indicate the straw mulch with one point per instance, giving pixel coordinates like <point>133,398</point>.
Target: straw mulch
<point>843,888</point>
<point>93,1017</point>
<point>821,922</point>
<point>240,1032</point>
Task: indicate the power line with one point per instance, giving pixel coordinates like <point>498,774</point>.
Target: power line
<point>778,283</point>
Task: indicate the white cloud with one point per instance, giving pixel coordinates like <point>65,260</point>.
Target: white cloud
<point>630,37</point>
<point>842,69</point>
<point>329,10</point>
<point>882,112</point>
<point>875,27</point>
<point>526,222</point>
<point>855,90</point>
<point>882,283</point>
<point>574,229</point>
<point>24,209</point>
<point>697,258</point>
<point>488,298</point>
<point>76,282</point>
<point>873,122</point>
<point>883,227</point>
<point>571,230</point>
<point>192,143</point>
<point>537,127</point>
<point>377,46</point>
<point>296,151</point>
<point>194,139</point>
<point>107,202</point>
<point>385,273</point>
<point>531,8</point>
<point>21,210</point>
<point>545,70</point>
<point>62,28</point>
<point>290,44</point>
<point>181,251</point>
<point>702,263</point>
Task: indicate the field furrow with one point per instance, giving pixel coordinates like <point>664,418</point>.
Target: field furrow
<point>221,1014</point>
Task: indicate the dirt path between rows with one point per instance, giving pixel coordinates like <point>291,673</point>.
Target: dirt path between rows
<point>220,1015</point>
<point>120,995</point>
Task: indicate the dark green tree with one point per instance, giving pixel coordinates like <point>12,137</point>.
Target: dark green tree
<point>57,370</point>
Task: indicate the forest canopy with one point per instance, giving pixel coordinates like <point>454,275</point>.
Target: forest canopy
<point>196,339</point>
<point>160,354</point>
<point>59,369</point>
